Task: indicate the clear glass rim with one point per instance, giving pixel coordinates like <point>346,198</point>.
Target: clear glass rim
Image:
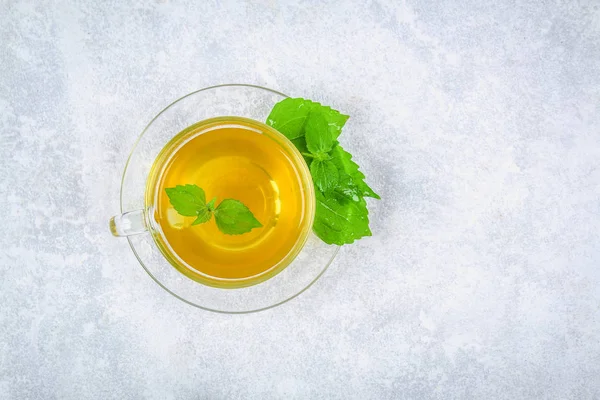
<point>337,248</point>
<point>308,201</point>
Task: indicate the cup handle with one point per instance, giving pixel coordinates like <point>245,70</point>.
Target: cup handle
<point>129,223</point>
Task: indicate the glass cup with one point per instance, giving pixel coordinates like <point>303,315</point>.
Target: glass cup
<point>304,264</point>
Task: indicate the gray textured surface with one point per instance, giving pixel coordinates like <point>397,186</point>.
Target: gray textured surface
<point>478,124</point>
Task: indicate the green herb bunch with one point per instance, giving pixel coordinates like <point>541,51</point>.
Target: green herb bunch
<point>340,188</point>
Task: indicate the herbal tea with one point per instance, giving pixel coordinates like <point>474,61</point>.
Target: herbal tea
<point>232,160</point>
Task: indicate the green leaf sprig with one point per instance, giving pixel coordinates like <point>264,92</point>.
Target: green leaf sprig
<point>232,216</point>
<point>341,211</point>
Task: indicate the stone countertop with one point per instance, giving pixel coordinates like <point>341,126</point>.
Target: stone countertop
<point>479,125</point>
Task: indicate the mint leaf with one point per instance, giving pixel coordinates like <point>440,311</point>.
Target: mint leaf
<point>317,135</point>
<point>343,160</point>
<point>339,221</point>
<point>335,120</point>
<point>234,218</point>
<point>300,144</point>
<point>289,115</point>
<point>325,175</point>
<point>187,200</point>
<point>341,211</point>
<point>347,189</point>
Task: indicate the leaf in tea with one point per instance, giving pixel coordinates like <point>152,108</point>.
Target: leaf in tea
<point>234,218</point>
<point>187,200</point>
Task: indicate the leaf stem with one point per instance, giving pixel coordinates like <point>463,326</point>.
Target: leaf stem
<point>308,155</point>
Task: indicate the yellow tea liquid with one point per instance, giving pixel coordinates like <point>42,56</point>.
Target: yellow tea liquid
<point>239,159</point>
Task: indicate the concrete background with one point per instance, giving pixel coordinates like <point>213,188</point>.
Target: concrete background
<point>478,122</point>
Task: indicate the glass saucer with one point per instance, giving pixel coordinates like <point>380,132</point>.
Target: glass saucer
<point>240,100</point>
